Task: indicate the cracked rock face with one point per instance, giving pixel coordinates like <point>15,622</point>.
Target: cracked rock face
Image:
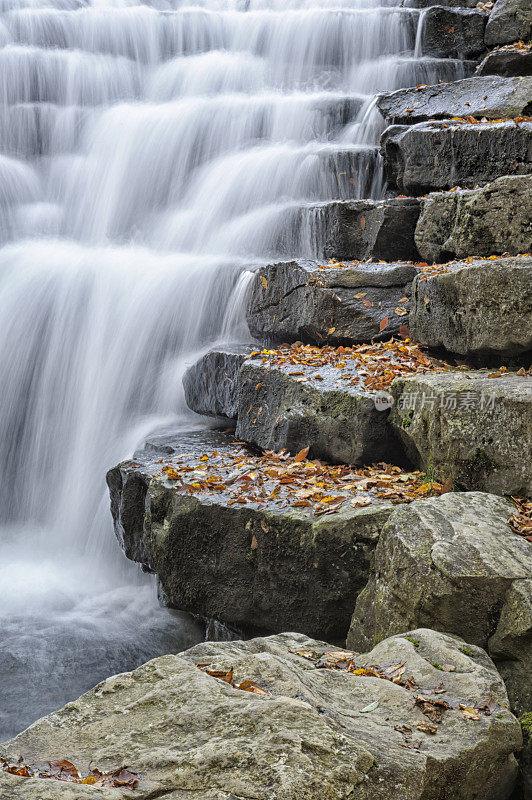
<point>488,221</point>
<point>493,97</point>
<point>476,310</point>
<point>441,155</point>
<point>453,563</point>
<point>192,735</point>
<point>293,301</point>
<point>476,429</point>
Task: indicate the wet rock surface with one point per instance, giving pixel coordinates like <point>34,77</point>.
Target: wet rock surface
<point>452,32</point>
<point>476,310</point>
<point>508,61</point>
<point>509,21</point>
<point>453,563</point>
<point>441,155</point>
<point>340,423</point>
<point>363,229</point>
<point>492,220</point>
<point>466,425</point>
<point>298,300</point>
<point>259,564</point>
<point>317,733</point>
<point>492,97</point>
<point>210,384</point>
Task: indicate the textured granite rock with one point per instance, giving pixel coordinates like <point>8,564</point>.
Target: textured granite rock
<point>440,155</point>
<point>476,429</point>
<point>318,734</point>
<point>299,301</point>
<point>476,310</point>
<point>454,564</point>
<point>488,221</point>
<point>489,96</point>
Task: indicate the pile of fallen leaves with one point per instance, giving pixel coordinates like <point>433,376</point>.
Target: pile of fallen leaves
<point>66,771</point>
<point>521,521</point>
<point>423,267</point>
<point>470,120</point>
<point>371,367</point>
<point>295,482</point>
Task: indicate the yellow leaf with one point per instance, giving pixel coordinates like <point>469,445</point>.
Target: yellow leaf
<point>264,282</point>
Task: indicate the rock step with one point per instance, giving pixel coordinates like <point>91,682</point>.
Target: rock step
<point>302,396</point>
<point>468,426</point>
<point>321,303</point>
<point>509,21</point>
<point>266,541</point>
<point>490,96</point>
<point>492,220</point>
<point>354,302</point>
<point>310,733</point>
<point>440,155</point>
<point>461,425</point>
<point>454,564</point>
<point>479,310</point>
<point>357,230</point>
<point>452,32</point>
<point>508,61</point>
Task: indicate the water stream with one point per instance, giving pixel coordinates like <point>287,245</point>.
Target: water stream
<point>150,155</point>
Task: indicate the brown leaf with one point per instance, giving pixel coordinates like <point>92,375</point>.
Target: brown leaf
<point>250,686</point>
<point>447,485</point>
<point>301,456</point>
<point>470,713</point>
<point>254,543</point>
<point>383,324</point>
<point>425,727</point>
<point>400,311</point>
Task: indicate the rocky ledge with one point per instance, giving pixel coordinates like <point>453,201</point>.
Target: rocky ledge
<point>288,717</point>
<point>454,564</point>
<point>264,541</point>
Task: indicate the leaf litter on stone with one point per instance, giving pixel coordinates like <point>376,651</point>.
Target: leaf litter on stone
<point>66,771</point>
<point>277,479</point>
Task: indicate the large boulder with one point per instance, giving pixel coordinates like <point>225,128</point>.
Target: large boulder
<point>454,564</point>
<point>318,734</point>
<point>440,155</point>
<point>492,97</point>
<point>509,21</point>
<point>508,61</point>
<point>295,300</point>
<point>230,546</point>
<point>488,221</point>
<point>469,426</point>
<point>452,32</point>
<point>476,310</point>
<point>362,229</point>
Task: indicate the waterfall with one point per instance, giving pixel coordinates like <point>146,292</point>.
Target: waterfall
<point>150,155</point>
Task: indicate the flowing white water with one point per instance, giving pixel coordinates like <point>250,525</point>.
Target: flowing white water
<point>148,156</point>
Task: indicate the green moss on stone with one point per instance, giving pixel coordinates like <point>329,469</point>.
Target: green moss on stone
<point>526,724</point>
<point>415,642</point>
<point>467,652</point>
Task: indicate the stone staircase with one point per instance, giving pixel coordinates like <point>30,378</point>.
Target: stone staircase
<point>261,532</point>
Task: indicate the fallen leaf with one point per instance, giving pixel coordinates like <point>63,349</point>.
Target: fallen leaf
<point>264,282</point>
<point>371,707</point>
<point>301,456</point>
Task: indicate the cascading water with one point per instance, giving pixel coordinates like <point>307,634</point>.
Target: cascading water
<point>149,155</point>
